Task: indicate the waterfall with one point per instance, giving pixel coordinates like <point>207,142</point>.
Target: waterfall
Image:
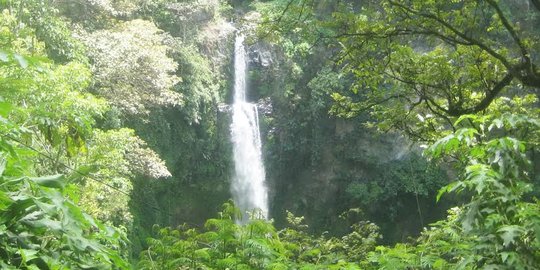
<point>248,187</point>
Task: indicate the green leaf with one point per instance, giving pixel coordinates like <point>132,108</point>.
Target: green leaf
<point>28,254</point>
<point>81,172</point>
<point>510,233</point>
<point>202,254</point>
<point>496,123</point>
<point>5,201</point>
<point>465,117</point>
<point>469,219</point>
<point>51,181</point>
<point>3,162</point>
<point>5,108</point>
<point>439,264</point>
<point>504,256</point>
<point>51,225</point>
<point>448,188</point>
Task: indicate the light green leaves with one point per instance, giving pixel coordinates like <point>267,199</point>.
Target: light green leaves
<point>452,143</point>
<point>510,234</point>
<point>52,181</point>
<point>48,224</point>
<point>256,245</point>
<point>9,57</point>
<point>137,83</point>
<point>44,110</point>
<point>493,223</point>
<point>5,108</point>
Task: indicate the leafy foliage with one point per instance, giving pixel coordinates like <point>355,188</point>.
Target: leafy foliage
<point>117,156</point>
<point>50,129</point>
<point>322,165</point>
<point>459,76</point>
<point>49,28</point>
<point>137,83</point>
<point>224,244</point>
<point>100,14</point>
<point>421,64</point>
<point>200,85</point>
<point>497,228</point>
<point>42,229</point>
<point>41,226</point>
<point>417,65</point>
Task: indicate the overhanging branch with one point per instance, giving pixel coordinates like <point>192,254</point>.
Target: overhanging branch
<point>510,29</point>
<point>484,103</point>
<point>454,30</point>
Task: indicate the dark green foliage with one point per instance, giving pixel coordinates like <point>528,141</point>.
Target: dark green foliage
<point>194,141</point>
<point>422,64</point>
<point>223,244</point>
<point>319,165</point>
<point>193,138</point>
<point>497,229</point>
<point>416,67</point>
<point>398,190</point>
<point>199,86</point>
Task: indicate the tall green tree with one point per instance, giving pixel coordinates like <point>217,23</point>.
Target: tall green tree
<point>137,83</point>
<point>462,77</point>
<point>44,120</point>
<point>418,65</point>
<point>421,64</point>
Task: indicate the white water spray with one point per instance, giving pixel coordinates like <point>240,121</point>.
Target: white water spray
<point>248,187</point>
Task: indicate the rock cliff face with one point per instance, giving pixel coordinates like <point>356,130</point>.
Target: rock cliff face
<point>261,55</point>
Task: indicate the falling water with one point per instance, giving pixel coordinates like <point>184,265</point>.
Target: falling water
<point>248,187</point>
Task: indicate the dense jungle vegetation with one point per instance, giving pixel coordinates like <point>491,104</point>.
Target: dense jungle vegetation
<point>397,134</point>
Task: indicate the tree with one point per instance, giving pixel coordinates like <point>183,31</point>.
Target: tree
<point>51,29</point>
<point>419,65</point>
<point>499,227</point>
<point>115,157</point>
<point>131,67</point>
<point>57,118</point>
<point>462,76</point>
<point>102,14</point>
<point>42,226</point>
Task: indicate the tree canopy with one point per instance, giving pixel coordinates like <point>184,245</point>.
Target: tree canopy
<point>420,64</point>
<point>115,149</point>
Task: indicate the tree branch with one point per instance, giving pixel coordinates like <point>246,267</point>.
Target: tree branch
<point>403,32</point>
<point>510,30</point>
<point>283,12</point>
<point>378,102</point>
<point>458,33</point>
<point>484,103</point>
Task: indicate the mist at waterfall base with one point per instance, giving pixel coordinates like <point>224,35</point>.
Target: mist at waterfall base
<point>248,186</point>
